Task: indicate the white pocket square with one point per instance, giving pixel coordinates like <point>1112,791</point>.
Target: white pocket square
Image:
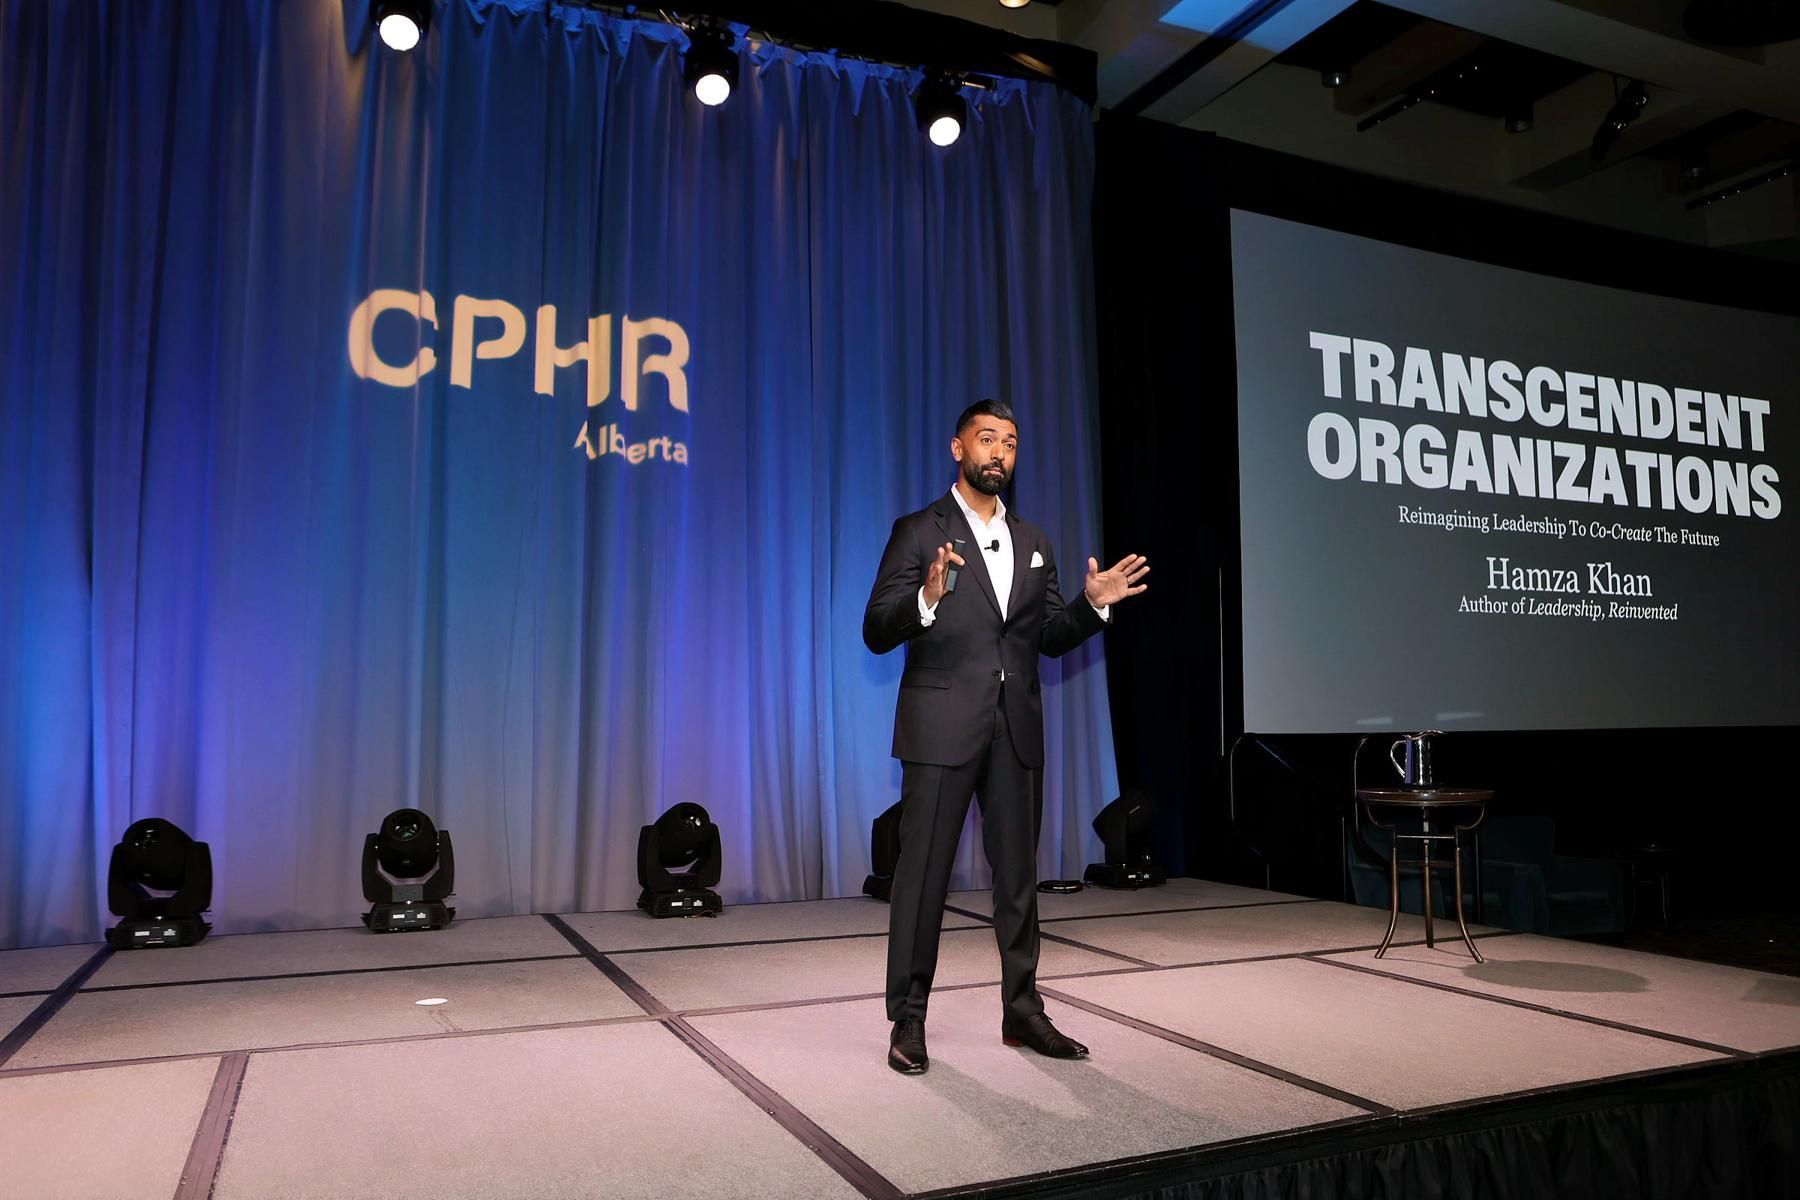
<point>1037,559</point>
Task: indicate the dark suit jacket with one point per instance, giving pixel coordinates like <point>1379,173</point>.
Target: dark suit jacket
<point>952,678</point>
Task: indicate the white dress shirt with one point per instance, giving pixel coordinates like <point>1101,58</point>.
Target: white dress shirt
<point>999,561</point>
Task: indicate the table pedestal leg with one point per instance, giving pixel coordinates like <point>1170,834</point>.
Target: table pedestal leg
<point>1393,891</point>
<point>1429,943</point>
<point>1460,923</point>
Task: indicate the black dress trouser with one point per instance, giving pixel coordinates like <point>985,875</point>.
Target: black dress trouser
<point>936,803</point>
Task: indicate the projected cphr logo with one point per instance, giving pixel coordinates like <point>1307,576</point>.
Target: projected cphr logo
<point>652,347</point>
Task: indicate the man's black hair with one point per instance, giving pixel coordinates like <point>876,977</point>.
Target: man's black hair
<point>985,408</point>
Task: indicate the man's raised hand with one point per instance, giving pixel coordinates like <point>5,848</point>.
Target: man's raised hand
<point>934,574</point>
<point>1117,581</point>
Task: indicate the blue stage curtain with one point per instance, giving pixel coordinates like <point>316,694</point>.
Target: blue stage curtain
<point>249,589</point>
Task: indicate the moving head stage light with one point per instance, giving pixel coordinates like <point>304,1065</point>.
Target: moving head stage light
<point>884,852</point>
<point>712,65</point>
<point>682,837</point>
<point>401,23</point>
<point>1124,829</point>
<point>408,868</point>
<point>941,110</point>
<point>159,881</point>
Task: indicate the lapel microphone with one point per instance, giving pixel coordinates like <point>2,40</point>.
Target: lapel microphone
<point>994,545</point>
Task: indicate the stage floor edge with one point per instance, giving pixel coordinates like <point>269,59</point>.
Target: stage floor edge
<point>1244,1042</point>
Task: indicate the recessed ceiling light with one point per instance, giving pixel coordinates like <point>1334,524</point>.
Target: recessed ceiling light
<point>432,1000</point>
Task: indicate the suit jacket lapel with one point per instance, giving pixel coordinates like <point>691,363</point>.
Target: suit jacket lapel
<point>955,525</point>
<point>1021,567</point>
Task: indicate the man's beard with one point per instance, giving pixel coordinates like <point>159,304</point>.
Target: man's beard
<point>979,478</point>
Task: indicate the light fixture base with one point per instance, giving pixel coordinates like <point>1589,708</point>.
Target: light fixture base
<point>682,902</point>
<point>1117,875</point>
<point>408,915</point>
<point>140,933</point>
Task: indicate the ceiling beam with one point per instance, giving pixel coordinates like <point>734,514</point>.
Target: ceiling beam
<point>1129,38</point>
<point>1735,154</point>
<point>1393,70</point>
<point>1559,149</point>
<point>1608,44</point>
<point>1234,50</point>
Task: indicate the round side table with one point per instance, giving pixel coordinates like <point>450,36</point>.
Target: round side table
<point>1425,803</point>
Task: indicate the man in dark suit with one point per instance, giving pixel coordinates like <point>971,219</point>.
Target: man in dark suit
<point>970,721</point>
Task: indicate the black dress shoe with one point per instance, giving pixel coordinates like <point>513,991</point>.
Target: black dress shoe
<point>906,1048</point>
<point>1037,1032</point>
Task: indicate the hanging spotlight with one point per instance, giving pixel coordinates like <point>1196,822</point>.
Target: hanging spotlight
<point>1124,829</point>
<point>160,881</point>
<point>401,23</point>
<point>941,110</point>
<point>682,837</point>
<point>1628,105</point>
<point>1520,117</point>
<point>1625,109</point>
<point>884,852</point>
<point>1334,78</point>
<point>408,868</point>
<point>712,65</point>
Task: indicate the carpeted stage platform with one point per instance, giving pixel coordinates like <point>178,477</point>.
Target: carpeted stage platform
<point>1244,1043</point>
